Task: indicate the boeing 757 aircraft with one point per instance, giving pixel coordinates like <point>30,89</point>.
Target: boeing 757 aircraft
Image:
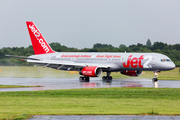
<point>93,64</point>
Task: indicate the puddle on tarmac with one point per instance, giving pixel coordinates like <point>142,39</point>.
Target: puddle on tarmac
<point>54,83</point>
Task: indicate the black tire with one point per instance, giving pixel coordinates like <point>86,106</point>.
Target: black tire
<point>154,79</point>
<point>110,78</point>
<point>86,79</point>
<point>80,78</point>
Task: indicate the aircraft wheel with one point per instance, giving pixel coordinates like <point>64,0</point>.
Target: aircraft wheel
<point>154,79</point>
<point>107,78</point>
<point>81,79</point>
<point>86,79</point>
<point>110,78</point>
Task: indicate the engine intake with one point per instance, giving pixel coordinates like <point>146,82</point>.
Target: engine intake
<point>91,71</point>
<point>131,73</point>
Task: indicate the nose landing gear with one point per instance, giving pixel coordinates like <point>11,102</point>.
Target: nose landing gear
<point>155,80</point>
<point>155,76</point>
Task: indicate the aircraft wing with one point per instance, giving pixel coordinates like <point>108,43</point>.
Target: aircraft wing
<point>68,63</point>
<point>64,63</point>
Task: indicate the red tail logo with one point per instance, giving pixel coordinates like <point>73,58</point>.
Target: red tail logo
<point>39,44</point>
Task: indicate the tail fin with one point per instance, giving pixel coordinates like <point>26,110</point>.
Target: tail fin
<point>39,44</point>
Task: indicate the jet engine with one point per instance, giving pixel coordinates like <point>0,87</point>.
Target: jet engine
<point>91,71</point>
<point>131,73</point>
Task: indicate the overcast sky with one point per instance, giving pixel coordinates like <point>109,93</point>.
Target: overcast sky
<point>82,23</point>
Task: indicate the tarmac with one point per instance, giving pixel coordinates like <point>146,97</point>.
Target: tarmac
<point>104,117</point>
<point>55,83</point>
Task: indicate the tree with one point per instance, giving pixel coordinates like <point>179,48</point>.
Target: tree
<point>173,51</point>
<point>140,45</point>
<point>159,45</point>
<point>148,43</point>
<point>99,45</point>
<point>122,46</point>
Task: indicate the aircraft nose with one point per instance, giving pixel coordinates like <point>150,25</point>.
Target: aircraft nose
<point>171,66</point>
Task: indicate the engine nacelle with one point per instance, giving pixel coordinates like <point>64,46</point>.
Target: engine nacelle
<point>131,73</point>
<point>91,71</point>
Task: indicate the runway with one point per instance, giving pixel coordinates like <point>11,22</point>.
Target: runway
<point>104,117</point>
<point>55,83</point>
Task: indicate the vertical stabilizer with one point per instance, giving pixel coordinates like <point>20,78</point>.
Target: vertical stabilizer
<point>39,44</point>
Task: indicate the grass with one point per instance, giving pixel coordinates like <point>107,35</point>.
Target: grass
<point>39,72</point>
<point>16,86</point>
<point>33,72</point>
<point>96,101</point>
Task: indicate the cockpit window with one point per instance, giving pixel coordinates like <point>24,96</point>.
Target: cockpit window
<point>167,60</point>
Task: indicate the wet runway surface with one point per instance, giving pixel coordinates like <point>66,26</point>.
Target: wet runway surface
<point>54,83</point>
<point>104,117</point>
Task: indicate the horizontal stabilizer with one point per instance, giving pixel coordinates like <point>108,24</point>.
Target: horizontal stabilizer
<point>23,57</point>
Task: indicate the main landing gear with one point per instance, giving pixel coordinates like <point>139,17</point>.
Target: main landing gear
<point>84,79</point>
<point>108,77</point>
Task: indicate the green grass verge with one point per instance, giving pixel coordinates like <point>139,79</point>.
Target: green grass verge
<point>101,101</point>
<point>16,86</point>
<point>40,72</point>
<point>34,72</point>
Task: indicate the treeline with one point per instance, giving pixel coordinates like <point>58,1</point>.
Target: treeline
<point>172,51</point>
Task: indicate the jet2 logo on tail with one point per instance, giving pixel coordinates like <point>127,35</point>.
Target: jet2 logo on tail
<point>37,34</point>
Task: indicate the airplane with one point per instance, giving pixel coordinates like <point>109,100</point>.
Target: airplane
<point>92,64</point>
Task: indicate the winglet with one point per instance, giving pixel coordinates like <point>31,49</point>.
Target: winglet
<point>39,44</point>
